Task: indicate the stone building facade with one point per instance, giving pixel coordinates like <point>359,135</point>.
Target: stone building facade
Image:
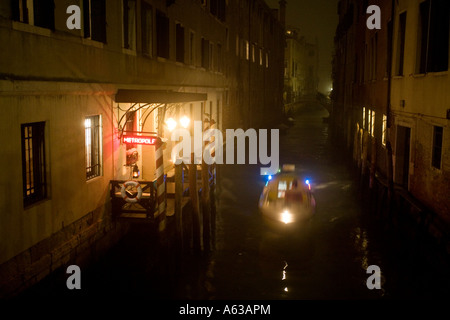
<point>300,67</point>
<point>68,96</point>
<point>390,98</point>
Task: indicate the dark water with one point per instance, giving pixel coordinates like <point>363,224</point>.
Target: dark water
<point>326,258</point>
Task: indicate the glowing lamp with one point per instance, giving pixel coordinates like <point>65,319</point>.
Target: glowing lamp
<point>136,172</point>
<point>171,124</point>
<point>184,121</point>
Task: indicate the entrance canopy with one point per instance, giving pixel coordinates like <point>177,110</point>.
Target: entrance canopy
<point>157,96</point>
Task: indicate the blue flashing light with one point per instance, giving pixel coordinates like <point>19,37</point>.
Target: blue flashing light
<point>269,177</point>
<point>307,181</point>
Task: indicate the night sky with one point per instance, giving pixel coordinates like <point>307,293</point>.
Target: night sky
<point>315,18</point>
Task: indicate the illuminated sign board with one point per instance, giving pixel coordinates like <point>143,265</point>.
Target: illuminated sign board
<point>147,140</point>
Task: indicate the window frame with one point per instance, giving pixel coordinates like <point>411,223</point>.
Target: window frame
<point>35,15</point>
<point>36,174</point>
<point>147,35</point>
<point>94,29</point>
<point>384,130</point>
<point>93,157</point>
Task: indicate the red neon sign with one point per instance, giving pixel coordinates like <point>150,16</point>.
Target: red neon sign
<point>147,140</point>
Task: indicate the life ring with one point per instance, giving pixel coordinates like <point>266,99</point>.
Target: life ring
<point>124,194</point>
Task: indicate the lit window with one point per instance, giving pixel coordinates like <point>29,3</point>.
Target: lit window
<point>383,130</point>
<point>260,57</point>
<point>267,59</point>
<point>372,123</point>
<point>33,163</point>
<point>93,146</point>
<point>247,50</point>
<point>364,117</point>
<point>253,53</point>
<point>282,186</point>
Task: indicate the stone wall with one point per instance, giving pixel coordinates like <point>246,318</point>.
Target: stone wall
<point>80,243</point>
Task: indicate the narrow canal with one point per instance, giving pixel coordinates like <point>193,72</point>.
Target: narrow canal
<point>326,258</point>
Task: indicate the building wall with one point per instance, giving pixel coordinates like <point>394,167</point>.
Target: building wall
<point>301,67</point>
<point>420,101</point>
<point>416,101</point>
<point>61,77</point>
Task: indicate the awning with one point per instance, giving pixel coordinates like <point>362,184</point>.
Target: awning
<point>156,96</point>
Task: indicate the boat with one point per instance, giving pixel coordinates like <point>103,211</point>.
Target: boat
<point>287,198</point>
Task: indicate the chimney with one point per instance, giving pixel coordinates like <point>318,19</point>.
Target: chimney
<point>282,17</point>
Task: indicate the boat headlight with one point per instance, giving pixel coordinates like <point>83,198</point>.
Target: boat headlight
<point>286,217</point>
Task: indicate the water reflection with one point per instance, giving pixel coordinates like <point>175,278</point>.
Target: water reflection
<point>283,277</point>
<point>361,244</point>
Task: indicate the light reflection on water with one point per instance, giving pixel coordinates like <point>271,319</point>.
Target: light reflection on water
<point>361,243</point>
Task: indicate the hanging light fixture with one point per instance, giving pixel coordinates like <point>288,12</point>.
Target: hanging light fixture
<point>184,121</point>
<point>171,124</point>
<point>136,171</point>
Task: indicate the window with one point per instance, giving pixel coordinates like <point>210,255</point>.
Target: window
<point>437,147</point>
<point>129,24</point>
<point>94,13</point>
<point>260,57</point>
<point>93,146</point>
<point>433,36</point>
<point>34,176</point>
<point>211,56</point>
<point>219,58</point>
<point>179,42</point>
<point>253,53</point>
<point>191,47</point>
<point>267,59</point>
<point>366,62</point>
<point>205,54</point>
<point>37,13</point>
<point>389,48</point>
<point>247,50</point>
<point>373,57</point>
<point>147,29</point>
<point>162,35</point>
<point>384,130</point>
<point>237,45</point>
<point>400,44</point>
<point>364,117</point>
<point>227,40</point>
<point>217,8</point>
<point>439,36</point>
<point>422,37</point>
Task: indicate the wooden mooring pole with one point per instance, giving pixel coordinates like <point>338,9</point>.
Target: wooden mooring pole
<point>206,205</point>
<point>179,205</point>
